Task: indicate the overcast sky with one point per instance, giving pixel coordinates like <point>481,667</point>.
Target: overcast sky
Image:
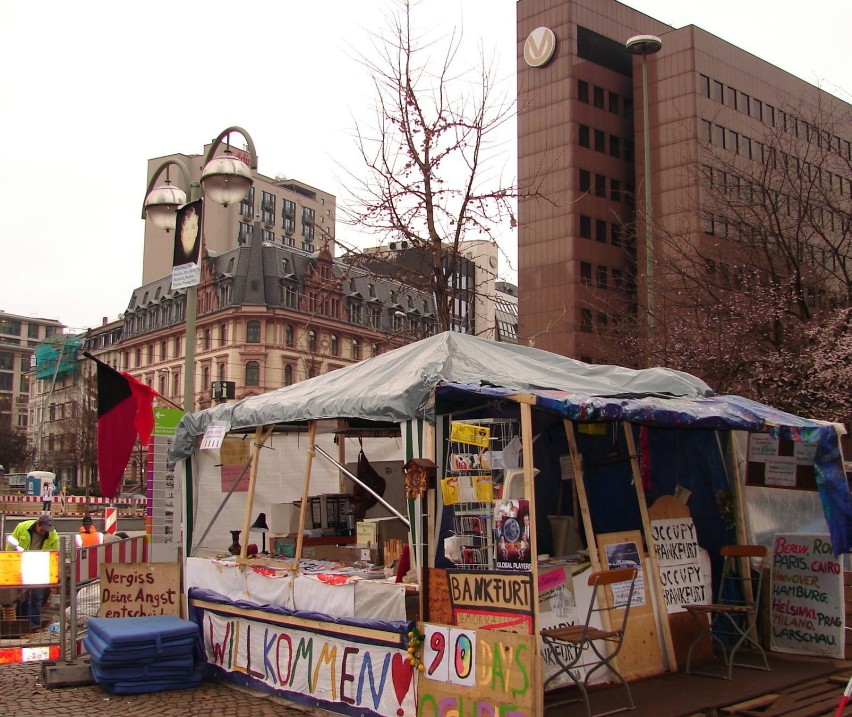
<point>92,89</point>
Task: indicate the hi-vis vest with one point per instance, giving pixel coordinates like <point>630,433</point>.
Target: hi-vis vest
<point>84,540</point>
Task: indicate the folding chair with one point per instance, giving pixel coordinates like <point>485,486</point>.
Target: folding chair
<point>593,647</point>
<point>732,619</point>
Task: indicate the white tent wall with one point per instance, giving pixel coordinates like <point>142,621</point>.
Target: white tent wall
<point>776,510</point>
<point>280,479</point>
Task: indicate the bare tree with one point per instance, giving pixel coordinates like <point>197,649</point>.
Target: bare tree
<point>431,154</point>
<point>757,301</point>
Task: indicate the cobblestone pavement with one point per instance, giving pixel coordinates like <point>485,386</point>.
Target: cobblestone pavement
<point>23,692</point>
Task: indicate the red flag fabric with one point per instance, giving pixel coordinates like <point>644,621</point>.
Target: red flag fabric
<point>125,411</point>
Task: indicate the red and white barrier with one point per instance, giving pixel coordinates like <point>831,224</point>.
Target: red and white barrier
<point>89,560</point>
<point>110,520</point>
<point>77,503</point>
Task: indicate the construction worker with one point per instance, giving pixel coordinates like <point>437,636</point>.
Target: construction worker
<point>89,535</point>
<point>37,534</point>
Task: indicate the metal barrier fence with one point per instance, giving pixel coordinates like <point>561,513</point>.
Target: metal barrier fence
<point>69,504</point>
<point>66,605</point>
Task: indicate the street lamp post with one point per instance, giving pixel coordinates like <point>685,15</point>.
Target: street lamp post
<point>225,180</point>
<point>645,45</point>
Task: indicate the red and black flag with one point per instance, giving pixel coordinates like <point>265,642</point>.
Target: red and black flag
<point>125,411</point>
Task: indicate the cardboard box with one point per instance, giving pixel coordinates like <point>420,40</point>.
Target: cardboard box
<point>284,518</point>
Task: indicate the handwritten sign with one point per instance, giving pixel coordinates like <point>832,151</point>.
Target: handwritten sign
<point>139,589</point>
<point>497,667</point>
<point>355,673</point>
<point>675,546</point>
<point>491,600</point>
<point>806,596</point>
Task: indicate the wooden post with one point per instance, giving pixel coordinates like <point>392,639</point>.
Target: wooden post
<point>582,496</point>
<point>303,511</point>
<point>259,439</point>
<point>652,559</point>
<point>529,492</point>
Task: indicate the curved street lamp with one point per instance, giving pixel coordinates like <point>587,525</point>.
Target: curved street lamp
<point>645,45</point>
<point>225,180</point>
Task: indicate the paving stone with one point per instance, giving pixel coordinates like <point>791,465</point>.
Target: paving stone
<point>23,692</point>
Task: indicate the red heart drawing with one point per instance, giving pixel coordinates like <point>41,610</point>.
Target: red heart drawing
<point>401,671</point>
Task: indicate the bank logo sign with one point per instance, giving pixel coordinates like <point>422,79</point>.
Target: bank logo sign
<point>539,47</point>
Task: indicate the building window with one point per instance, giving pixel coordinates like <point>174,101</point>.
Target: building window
<point>614,103</point>
<point>585,180</point>
<point>356,350</point>
<point>704,85</point>
<point>335,345</point>
<point>585,273</point>
<point>600,230</point>
<point>599,97</point>
<point>601,277</point>
<point>244,233</point>
<point>288,336</point>
<point>585,136</point>
<point>252,373</point>
<point>586,321</point>
<point>616,235</point>
<point>617,279</point>
<point>615,190</point>
<point>614,146</point>
<point>288,375</point>
<point>207,339</point>
<point>312,341</point>
<point>268,236</point>
<point>253,332</point>
<point>718,91</point>
<point>585,227</point>
<point>583,91</point>
<point>600,185</point>
<point>600,141</point>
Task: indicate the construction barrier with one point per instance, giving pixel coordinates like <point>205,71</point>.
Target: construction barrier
<point>110,520</point>
<point>76,504</point>
<point>89,560</point>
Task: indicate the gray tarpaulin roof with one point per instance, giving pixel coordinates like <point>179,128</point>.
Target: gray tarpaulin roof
<point>397,385</point>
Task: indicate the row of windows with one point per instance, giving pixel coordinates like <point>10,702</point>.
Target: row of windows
<point>600,275</point>
<point>772,116</point>
<point>602,230</point>
<point>617,149</point>
<point>603,99</point>
<point>601,321</point>
<point>743,191</point>
<point>245,231</point>
<point>744,146</point>
<point>617,193</point>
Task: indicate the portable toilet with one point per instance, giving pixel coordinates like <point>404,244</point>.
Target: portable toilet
<point>35,480</point>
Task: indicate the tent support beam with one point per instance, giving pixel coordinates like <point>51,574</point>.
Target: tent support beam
<point>260,438</point>
<point>652,558</point>
<point>355,478</point>
<point>303,509</point>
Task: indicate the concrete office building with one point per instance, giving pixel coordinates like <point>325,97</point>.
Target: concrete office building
<point>583,255</point>
<point>19,336</point>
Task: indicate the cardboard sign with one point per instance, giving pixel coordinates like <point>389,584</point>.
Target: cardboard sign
<point>806,596</point>
<point>139,589</point>
<point>494,668</point>
<point>491,600</point>
<point>675,546</point>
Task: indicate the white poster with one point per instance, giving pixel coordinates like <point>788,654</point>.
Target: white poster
<point>806,603</point>
<point>676,548</point>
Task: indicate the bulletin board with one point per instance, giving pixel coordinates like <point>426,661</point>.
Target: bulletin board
<point>780,463</point>
<point>640,655</point>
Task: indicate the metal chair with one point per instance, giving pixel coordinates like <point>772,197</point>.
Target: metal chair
<point>593,647</point>
<point>734,614</point>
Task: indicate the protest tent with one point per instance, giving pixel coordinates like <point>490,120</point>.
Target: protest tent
<point>630,435</point>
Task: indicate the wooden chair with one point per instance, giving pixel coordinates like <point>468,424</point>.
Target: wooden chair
<point>593,647</point>
<point>731,622</point>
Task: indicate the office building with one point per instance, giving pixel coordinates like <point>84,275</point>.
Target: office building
<point>717,117</point>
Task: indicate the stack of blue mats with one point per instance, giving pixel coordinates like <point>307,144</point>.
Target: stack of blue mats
<point>131,655</point>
